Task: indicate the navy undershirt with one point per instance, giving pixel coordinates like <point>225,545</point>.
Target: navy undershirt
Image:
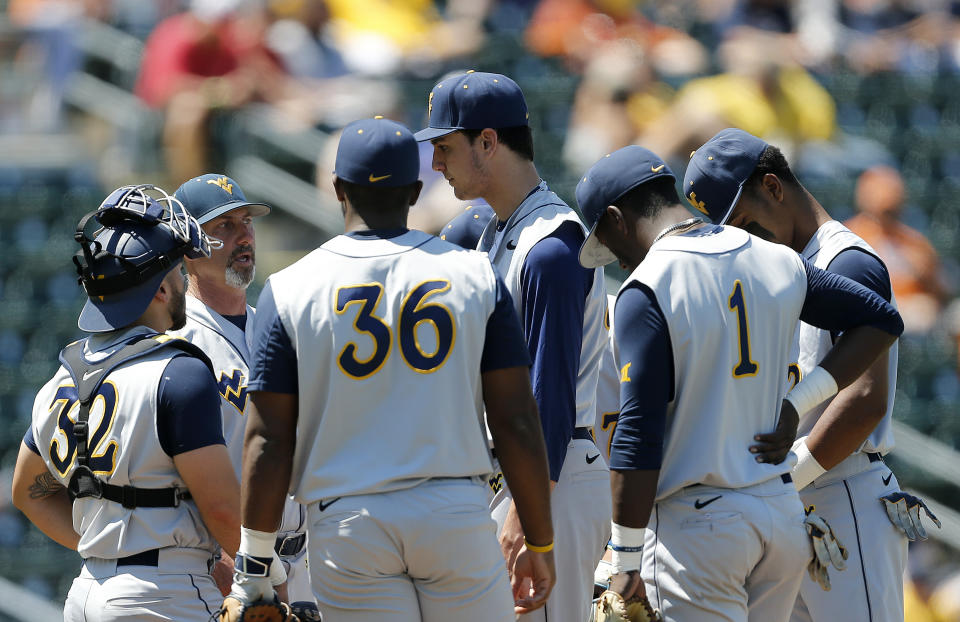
<point>274,367</point>
<point>240,321</point>
<point>554,288</point>
<point>188,408</point>
<point>833,302</point>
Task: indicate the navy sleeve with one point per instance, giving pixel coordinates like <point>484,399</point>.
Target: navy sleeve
<point>864,268</point>
<point>504,345</point>
<point>646,380</point>
<point>554,289</point>
<point>837,304</point>
<point>188,407</point>
<point>30,442</point>
<point>274,360</point>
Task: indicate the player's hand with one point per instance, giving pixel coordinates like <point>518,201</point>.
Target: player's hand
<point>532,578</point>
<point>827,549</point>
<point>903,510</point>
<point>628,584</point>
<point>774,446</point>
<point>223,573</point>
<point>511,537</point>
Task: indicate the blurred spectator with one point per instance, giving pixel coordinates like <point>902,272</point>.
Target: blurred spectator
<point>299,35</point>
<point>912,261</point>
<point>760,92</point>
<point>200,64</point>
<point>378,37</point>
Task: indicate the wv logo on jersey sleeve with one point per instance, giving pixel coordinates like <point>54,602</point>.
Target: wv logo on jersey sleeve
<point>233,388</point>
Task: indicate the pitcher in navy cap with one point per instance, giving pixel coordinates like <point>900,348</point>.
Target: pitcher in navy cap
<point>483,145</point>
<point>704,328</point>
<point>840,444</point>
<point>380,349</point>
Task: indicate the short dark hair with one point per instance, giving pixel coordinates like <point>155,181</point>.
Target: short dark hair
<point>519,139</point>
<point>649,198</point>
<point>773,161</point>
<point>375,198</point>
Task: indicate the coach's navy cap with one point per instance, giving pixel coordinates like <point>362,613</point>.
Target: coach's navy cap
<point>215,194</point>
<point>717,171</point>
<point>135,242</point>
<point>466,229</point>
<point>474,101</point>
<point>610,178</point>
<point>377,152</point>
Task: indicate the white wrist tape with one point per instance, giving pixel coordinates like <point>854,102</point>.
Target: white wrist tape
<point>815,388</point>
<point>807,468</point>
<point>256,543</point>
<point>626,546</point>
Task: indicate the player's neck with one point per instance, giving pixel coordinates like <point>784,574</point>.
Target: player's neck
<point>373,220</point>
<point>514,181</point>
<point>810,217</point>
<point>220,297</point>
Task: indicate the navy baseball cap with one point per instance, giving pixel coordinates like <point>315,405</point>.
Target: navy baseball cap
<point>717,171</point>
<point>610,178</point>
<point>133,243</point>
<point>214,194</point>
<point>474,101</point>
<point>465,230</point>
<point>377,152</point>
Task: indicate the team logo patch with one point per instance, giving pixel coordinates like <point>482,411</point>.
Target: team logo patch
<point>233,388</point>
<point>223,183</point>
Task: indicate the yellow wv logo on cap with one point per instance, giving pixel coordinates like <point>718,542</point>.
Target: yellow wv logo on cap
<point>700,205</point>
<point>222,182</point>
<point>430,104</point>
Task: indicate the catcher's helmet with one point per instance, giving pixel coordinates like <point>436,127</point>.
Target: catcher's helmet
<point>144,234</point>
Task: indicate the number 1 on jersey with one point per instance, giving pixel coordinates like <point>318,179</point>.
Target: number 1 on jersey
<point>745,367</point>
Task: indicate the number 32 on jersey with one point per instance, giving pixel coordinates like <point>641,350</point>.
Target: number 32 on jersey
<point>416,313</point>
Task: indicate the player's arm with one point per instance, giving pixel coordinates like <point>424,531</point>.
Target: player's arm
<point>41,497</point>
<point>869,326</point>
<point>646,388</point>
<point>515,427</point>
<point>554,291</point>
<point>190,429</point>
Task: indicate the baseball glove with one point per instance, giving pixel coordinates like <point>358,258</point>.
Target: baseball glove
<point>305,611</point>
<point>235,610</point>
<point>611,607</point>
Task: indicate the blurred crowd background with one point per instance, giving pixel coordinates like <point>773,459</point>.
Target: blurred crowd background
<point>863,96</point>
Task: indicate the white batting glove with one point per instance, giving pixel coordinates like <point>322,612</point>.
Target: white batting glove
<point>827,549</point>
<point>904,512</point>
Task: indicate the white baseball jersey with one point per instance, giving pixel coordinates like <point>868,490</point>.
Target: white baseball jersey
<point>409,311</point>
<point>125,449</point>
<point>608,388</point>
<point>829,241</point>
<point>744,318</point>
<point>540,214</point>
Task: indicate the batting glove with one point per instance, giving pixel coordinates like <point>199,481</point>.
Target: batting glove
<point>904,512</point>
<point>827,549</point>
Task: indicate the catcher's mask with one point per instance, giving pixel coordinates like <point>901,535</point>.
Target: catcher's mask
<point>144,233</point>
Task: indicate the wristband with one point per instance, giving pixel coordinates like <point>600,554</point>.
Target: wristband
<point>626,546</point>
<point>807,468</point>
<point>815,388</point>
<point>257,543</point>
<point>537,549</point>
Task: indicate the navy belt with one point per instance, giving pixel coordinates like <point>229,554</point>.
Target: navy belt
<point>291,545</point>
<point>874,457</point>
<point>582,433</point>
<point>786,478</point>
<point>146,558</point>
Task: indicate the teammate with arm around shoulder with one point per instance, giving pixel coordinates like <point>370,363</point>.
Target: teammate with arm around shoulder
<point>373,358</point>
<point>706,520</point>
<point>220,322</point>
<point>124,459</point>
<point>483,145</point>
<point>741,180</point>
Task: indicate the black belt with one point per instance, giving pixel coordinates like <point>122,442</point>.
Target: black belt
<point>582,433</point>
<point>146,558</point>
<point>786,478</point>
<point>874,457</point>
<point>290,545</point>
<point>132,497</point>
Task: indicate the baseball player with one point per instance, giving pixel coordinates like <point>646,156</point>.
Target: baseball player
<point>706,518</point>
<point>219,321</point>
<point>372,360</point>
<point>741,180</point>
<point>478,125</point>
<point>124,460</point>
<point>465,229</point>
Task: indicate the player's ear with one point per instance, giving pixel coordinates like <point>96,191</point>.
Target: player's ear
<point>415,192</point>
<point>615,218</point>
<point>338,189</point>
<point>773,186</point>
<point>488,139</point>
